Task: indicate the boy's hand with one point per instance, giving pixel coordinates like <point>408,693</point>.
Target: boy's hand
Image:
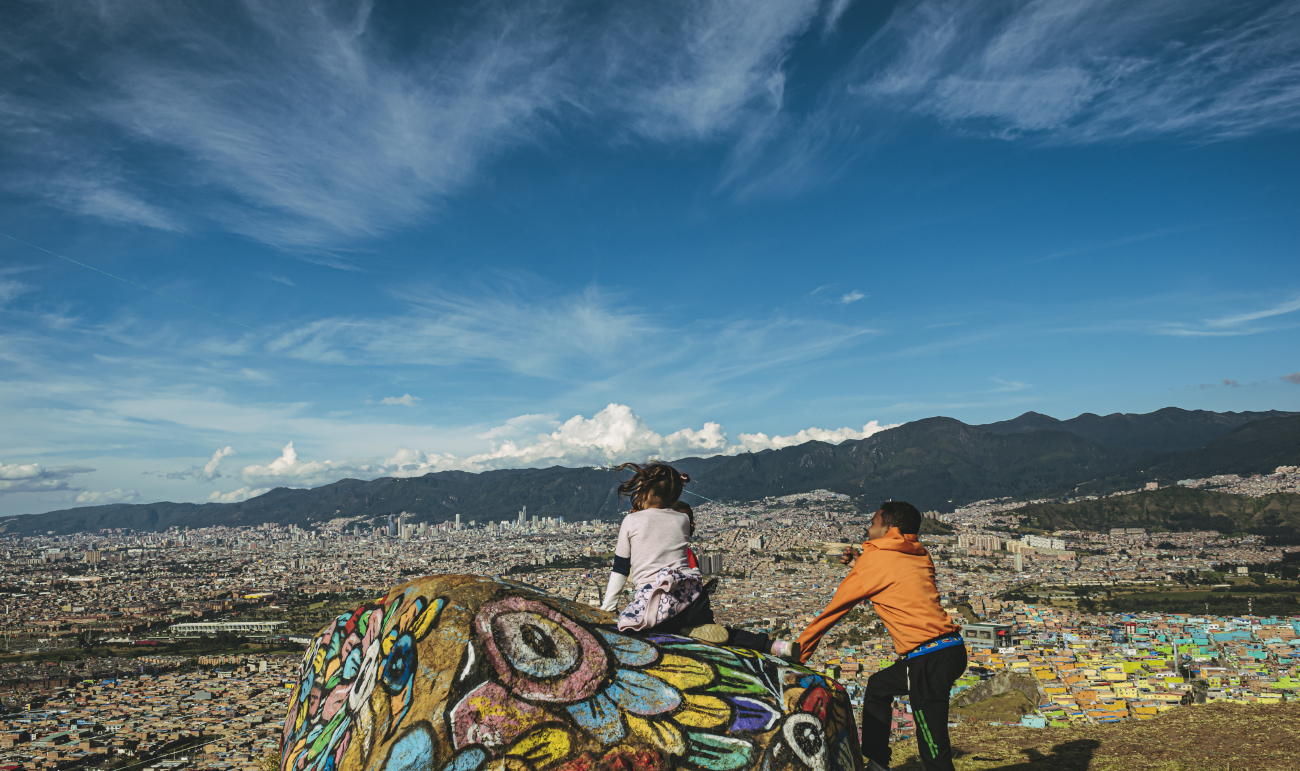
<point>849,555</point>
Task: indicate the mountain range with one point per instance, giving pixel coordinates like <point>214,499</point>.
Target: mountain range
<point>936,463</point>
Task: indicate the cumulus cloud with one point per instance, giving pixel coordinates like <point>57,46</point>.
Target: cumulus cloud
<point>405,400</point>
<point>235,496</point>
<point>1293,378</point>
<point>107,496</point>
<point>852,297</point>
<point>757,442</point>
<point>35,478</point>
<point>208,472</point>
<point>288,471</point>
<point>613,435</point>
<point>210,469</point>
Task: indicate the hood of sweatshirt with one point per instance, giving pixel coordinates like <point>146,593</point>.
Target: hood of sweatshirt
<point>893,540</point>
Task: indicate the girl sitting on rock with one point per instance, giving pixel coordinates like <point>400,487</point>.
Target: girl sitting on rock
<point>652,550</point>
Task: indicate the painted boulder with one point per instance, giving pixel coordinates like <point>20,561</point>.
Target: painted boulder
<point>466,673</point>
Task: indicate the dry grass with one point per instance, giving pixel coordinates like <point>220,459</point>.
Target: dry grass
<point>1216,737</point>
<point>1003,708</point>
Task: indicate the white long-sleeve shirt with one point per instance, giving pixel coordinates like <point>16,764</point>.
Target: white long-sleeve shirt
<point>653,539</point>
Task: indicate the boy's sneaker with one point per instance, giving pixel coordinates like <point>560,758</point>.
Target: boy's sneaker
<point>786,649</point>
<point>714,633</point>
<point>874,766</point>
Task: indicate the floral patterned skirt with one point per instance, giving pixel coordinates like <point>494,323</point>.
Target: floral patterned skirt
<point>668,594</point>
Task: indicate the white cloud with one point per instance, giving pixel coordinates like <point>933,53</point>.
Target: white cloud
<point>405,400</point>
<point>541,337</point>
<point>11,289</point>
<point>210,469</point>
<point>758,442</point>
<point>235,496</point>
<point>107,496</point>
<point>1090,70</point>
<point>852,297</point>
<point>317,126</point>
<point>593,336</point>
<point>715,65</point>
<point>613,435</point>
<point>1232,325</point>
<point>288,471</point>
<point>35,478</point>
<point>208,472</point>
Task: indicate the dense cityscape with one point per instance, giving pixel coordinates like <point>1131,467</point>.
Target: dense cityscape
<point>175,649</point>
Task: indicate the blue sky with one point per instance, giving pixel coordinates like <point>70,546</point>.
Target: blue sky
<point>386,239</point>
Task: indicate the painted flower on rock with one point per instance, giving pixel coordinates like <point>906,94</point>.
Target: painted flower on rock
<point>374,644</point>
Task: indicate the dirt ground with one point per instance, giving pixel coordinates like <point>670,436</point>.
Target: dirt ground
<point>1215,737</point>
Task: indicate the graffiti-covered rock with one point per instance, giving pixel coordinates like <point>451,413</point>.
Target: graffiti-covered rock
<point>466,673</point>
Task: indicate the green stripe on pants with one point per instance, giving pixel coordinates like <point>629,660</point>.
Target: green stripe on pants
<point>925,732</point>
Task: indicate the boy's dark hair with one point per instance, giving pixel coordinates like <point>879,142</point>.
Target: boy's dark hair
<point>660,479</point>
<point>902,515</point>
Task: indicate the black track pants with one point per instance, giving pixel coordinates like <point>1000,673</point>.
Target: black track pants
<point>932,677</point>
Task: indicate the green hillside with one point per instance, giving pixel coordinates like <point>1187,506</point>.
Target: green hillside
<point>1173,509</point>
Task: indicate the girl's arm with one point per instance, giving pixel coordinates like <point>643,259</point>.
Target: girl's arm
<point>617,581</point>
<point>619,572</point>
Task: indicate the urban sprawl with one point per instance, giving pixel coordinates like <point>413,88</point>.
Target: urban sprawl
<point>178,649</point>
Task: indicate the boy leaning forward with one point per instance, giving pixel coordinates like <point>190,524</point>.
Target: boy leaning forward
<point>896,573</point>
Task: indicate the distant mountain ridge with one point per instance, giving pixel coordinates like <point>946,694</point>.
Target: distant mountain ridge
<point>1168,430</point>
<point>936,463</point>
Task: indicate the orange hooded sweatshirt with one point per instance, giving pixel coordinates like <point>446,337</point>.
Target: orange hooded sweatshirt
<point>896,573</point>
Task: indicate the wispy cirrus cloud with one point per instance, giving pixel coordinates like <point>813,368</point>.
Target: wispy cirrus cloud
<point>1091,70</point>
<point>312,125</point>
<point>315,126</point>
<point>587,336</point>
<point>1040,71</point>
<point>1232,325</point>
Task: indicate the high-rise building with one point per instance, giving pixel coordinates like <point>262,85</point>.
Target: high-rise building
<point>979,542</point>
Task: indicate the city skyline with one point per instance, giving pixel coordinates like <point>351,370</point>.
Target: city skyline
<point>316,241</point>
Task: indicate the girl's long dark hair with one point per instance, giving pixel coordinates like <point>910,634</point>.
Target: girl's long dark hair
<point>659,479</point>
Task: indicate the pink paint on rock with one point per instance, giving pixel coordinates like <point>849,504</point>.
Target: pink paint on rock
<point>490,716</point>
<point>337,698</point>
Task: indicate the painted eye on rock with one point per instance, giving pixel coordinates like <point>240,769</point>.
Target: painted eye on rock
<point>806,736</point>
<point>539,653</point>
<point>400,663</point>
<point>535,645</point>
